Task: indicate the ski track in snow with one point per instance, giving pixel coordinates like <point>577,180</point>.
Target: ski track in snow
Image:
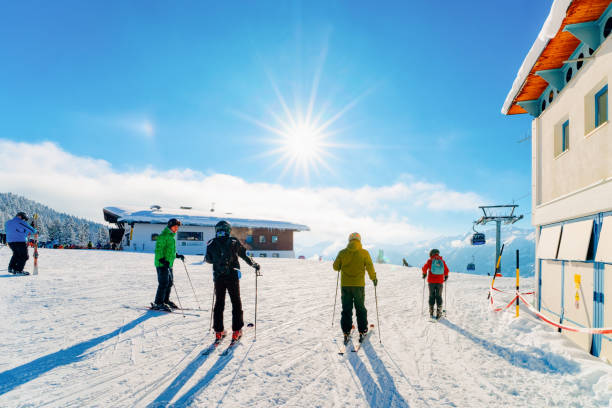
<point>68,341</point>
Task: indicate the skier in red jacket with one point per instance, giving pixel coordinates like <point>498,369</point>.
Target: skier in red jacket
<point>436,272</point>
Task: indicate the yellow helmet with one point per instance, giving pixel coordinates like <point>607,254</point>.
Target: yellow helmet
<point>355,235</point>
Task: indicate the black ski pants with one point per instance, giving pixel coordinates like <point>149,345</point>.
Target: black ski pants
<point>165,279</point>
<point>20,255</point>
<point>353,295</point>
<point>435,294</point>
<point>231,284</point>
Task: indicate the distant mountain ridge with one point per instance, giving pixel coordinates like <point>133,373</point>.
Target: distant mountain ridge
<point>456,250</point>
<point>53,226</point>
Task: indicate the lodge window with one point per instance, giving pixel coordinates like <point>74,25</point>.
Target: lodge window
<point>154,237</point>
<point>262,255</point>
<point>601,106</point>
<point>249,239</point>
<point>262,239</point>
<point>562,137</point>
<point>275,255</point>
<point>274,238</point>
<point>189,236</point>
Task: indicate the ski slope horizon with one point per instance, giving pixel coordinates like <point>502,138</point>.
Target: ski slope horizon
<point>78,335</point>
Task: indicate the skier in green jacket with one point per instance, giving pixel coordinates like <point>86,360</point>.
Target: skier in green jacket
<point>165,253</point>
<point>352,262</point>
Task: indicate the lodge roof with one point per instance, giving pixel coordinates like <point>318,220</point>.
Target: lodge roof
<point>553,46</point>
<point>187,216</point>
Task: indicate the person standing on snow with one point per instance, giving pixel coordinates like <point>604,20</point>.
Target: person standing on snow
<point>436,272</point>
<point>352,262</point>
<point>17,230</point>
<point>165,254</point>
<point>223,252</point>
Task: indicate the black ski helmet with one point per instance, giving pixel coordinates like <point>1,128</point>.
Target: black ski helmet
<point>172,222</point>
<point>223,226</point>
<point>22,215</point>
<point>434,252</point>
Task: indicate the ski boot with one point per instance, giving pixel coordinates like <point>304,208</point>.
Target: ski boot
<point>236,335</point>
<point>362,335</point>
<point>347,337</point>
<point>439,312</point>
<point>160,306</point>
<point>431,312</point>
<point>219,335</point>
<point>172,305</point>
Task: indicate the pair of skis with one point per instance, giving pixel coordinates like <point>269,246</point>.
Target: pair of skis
<point>217,342</point>
<point>357,346</point>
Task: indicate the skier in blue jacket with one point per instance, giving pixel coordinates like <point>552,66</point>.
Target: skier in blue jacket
<point>17,230</point>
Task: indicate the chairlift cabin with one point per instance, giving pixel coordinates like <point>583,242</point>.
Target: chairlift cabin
<point>478,238</point>
<point>471,266</point>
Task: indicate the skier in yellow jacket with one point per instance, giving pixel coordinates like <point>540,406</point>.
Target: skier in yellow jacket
<point>352,262</point>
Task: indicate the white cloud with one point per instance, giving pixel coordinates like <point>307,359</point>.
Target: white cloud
<point>83,186</point>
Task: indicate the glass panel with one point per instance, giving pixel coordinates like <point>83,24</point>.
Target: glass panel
<point>189,236</point>
<point>565,137</point>
<point>154,237</point>
<point>274,238</point>
<point>262,239</point>
<point>601,106</point>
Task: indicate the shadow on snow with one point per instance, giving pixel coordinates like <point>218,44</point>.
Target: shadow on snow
<point>163,400</point>
<point>385,395</point>
<point>535,360</point>
<point>13,378</point>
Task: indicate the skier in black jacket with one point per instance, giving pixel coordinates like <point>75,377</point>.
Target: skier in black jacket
<point>223,252</point>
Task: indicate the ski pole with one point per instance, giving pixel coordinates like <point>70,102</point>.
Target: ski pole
<point>192,288</point>
<point>377,318</point>
<point>444,310</point>
<point>423,299</point>
<point>335,299</point>
<point>212,308</point>
<point>256,276</point>
<point>178,298</point>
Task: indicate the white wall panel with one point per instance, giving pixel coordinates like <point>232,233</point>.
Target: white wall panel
<point>575,240</point>
<point>580,312</point>
<point>604,248</point>
<point>549,242</point>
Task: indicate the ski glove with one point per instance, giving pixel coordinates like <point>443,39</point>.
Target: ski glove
<point>256,266</point>
<point>181,257</point>
<point>424,275</point>
<point>164,263</point>
<point>375,282</point>
<point>445,278</point>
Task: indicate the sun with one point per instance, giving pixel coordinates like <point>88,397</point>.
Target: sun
<point>301,136</point>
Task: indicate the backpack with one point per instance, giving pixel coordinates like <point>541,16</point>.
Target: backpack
<point>437,267</point>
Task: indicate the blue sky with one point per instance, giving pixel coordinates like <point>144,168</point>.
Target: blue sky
<point>178,87</point>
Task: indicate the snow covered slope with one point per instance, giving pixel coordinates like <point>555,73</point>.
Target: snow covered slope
<point>74,337</point>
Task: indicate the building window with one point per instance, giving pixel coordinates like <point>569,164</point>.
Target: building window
<point>580,62</point>
<point>568,75</point>
<point>274,238</point>
<point>249,239</point>
<point>601,106</point>
<point>189,236</point>
<point>262,255</point>
<point>275,255</point>
<point>262,239</point>
<point>565,136</point>
<point>154,237</point>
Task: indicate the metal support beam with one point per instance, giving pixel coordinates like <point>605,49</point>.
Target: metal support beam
<point>554,77</point>
<point>587,33</point>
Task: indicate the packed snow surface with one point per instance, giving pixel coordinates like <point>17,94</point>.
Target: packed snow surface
<point>76,336</point>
